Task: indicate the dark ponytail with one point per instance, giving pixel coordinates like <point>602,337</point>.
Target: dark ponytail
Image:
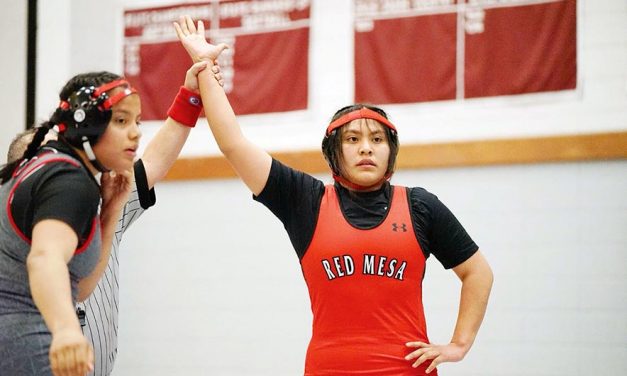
<point>60,116</point>
<point>40,133</point>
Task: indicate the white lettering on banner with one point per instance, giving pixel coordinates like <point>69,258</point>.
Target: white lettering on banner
<point>140,19</point>
<point>155,26</point>
<point>380,7</point>
<point>255,16</point>
<point>474,20</point>
<point>488,3</point>
<point>422,4</point>
<point>132,61</point>
<point>243,8</point>
<point>395,5</point>
<point>366,6</point>
<point>258,21</point>
<point>367,10</point>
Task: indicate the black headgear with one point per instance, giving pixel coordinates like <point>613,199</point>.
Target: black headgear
<point>86,113</point>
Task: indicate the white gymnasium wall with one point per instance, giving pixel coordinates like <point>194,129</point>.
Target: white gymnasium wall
<point>211,286</point>
<point>13,32</point>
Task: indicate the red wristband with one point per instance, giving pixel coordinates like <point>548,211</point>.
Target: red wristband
<point>186,107</point>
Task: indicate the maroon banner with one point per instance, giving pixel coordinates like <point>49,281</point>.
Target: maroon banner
<point>260,75</point>
<point>425,50</point>
<point>524,49</point>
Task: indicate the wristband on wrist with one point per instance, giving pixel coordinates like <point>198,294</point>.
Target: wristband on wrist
<point>186,107</point>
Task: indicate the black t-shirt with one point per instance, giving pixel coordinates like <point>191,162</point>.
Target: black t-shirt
<point>58,190</point>
<point>295,197</point>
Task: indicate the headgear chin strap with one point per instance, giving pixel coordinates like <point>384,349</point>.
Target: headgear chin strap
<point>86,114</point>
<point>362,113</point>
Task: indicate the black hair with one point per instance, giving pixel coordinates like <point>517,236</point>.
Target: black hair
<point>332,144</point>
<point>62,116</point>
<point>20,141</point>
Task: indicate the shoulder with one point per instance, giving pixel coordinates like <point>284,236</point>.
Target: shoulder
<point>63,175</point>
<point>421,199</point>
<point>287,180</point>
<point>421,194</point>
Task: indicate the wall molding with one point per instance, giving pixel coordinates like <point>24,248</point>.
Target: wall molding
<point>585,147</point>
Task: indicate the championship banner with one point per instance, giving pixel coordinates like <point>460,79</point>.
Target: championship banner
<point>426,50</point>
<point>265,68</point>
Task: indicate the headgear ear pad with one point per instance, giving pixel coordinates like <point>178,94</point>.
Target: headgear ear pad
<point>86,113</point>
<point>85,116</point>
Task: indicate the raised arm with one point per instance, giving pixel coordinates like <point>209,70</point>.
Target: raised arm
<point>251,163</point>
<point>165,146</point>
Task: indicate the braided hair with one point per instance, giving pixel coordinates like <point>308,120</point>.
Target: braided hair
<point>60,116</point>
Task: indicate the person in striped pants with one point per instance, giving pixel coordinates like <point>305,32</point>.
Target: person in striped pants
<point>98,311</point>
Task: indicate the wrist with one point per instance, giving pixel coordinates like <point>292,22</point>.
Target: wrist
<point>186,107</point>
<point>463,346</point>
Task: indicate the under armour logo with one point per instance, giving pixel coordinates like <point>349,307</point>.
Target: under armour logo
<point>397,228</point>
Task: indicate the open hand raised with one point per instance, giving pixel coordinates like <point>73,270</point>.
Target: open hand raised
<point>194,41</point>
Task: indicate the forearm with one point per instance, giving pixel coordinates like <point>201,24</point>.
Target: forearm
<point>50,287</point>
<point>250,162</point>
<point>219,113</point>
<point>163,149</point>
<point>473,304</point>
<point>87,285</point>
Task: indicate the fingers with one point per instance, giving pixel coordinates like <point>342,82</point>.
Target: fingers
<point>75,361</point>
<point>105,179</point>
<point>417,344</point>
<point>426,355</point>
<point>90,358</point>
<point>436,362</point>
<point>201,28</point>
<point>126,174</point>
<point>179,31</point>
<point>190,25</point>
<point>217,74</point>
<point>221,47</point>
<point>198,67</point>
<point>425,352</point>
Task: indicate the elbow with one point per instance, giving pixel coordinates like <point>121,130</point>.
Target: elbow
<point>34,261</point>
<point>227,149</point>
<point>489,275</point>
<point>230,149</point>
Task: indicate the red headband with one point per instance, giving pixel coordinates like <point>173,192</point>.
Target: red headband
<point>362,113</point>
<point>110,101</point>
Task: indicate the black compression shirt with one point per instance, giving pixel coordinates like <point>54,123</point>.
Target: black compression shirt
<point>60,191</point>
<point>294,197</point>
<point>57,191</point>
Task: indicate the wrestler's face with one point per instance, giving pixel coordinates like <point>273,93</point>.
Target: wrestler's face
<point>117,147</point>
<point>365,152</point>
